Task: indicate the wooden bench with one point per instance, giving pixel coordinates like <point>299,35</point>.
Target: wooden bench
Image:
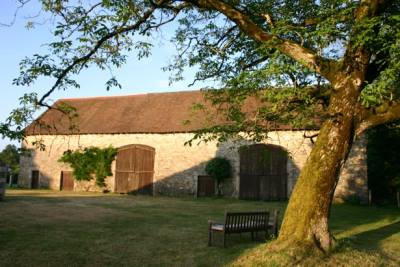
<point>244,222</point>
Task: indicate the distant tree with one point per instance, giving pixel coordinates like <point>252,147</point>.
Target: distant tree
<point>10,156</point>
<point>340,59</point>
<point>219,169</point>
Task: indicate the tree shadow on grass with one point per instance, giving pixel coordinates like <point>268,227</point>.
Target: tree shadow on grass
<point>374,243</point>
<point>345,218</point>
<point>372,240</point>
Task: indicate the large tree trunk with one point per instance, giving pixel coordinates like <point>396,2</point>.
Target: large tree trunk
<point>306,217</point>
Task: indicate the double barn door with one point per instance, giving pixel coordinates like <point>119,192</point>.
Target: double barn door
<point>135,169</point>
<point>263,172</point>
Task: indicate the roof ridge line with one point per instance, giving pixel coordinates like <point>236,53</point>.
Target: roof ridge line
<point>122,96</point>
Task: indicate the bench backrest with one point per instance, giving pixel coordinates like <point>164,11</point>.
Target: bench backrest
<point>236,222</point>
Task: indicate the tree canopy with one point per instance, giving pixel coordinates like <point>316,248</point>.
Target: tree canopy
<point>245,46</point>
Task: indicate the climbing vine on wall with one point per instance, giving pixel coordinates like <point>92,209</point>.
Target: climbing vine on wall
<point>90,163</point>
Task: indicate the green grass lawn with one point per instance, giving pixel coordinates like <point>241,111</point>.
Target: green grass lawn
<point>47,228</point>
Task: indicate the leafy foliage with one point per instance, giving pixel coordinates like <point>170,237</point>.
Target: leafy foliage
<point>20,117</point>
<point>384,162</point>
<point>92,161</point>
<point>219,169</point>
<point>255,112</point>
<point>105,33</point>
<point>382,36</point>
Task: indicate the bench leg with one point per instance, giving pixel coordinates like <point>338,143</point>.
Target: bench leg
<point>224,240</point>
<point>209,233</point>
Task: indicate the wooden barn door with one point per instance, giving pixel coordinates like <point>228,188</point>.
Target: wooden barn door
<point>205,186</point>
<point>135,169</point>
<point>67,181</point>
<point>35,184</point>
<point>263,172</point>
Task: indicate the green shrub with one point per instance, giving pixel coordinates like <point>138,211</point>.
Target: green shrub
<point>219,169</point>
<point>91,161</point>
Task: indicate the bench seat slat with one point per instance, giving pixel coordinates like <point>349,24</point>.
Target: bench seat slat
<point>217,227</point>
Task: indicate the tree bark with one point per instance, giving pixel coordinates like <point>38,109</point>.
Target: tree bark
<point>307,214</point>
<point>306,218</point>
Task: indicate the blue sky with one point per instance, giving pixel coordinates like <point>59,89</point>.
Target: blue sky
<point>135,77</point>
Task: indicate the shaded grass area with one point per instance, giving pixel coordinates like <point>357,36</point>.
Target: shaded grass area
<point>47,228</point>
<point>366,236</point>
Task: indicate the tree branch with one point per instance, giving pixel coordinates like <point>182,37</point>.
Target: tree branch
<point>120,30</point>
<point>366,8</point>
<point>370,119</point>
<point>339,17</point>
<point>292,49</point>
<point>224,36</point>
<point>22,3</point>
<point>356,58</point>
<point>255,62</point>
<point>86,13</point>
<point>269,20</point>
<point>311,137</point>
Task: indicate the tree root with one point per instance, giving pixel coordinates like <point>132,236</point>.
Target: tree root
<point>296,251</point>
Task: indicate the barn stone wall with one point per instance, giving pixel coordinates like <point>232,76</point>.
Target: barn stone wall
<point>353,181</point>
<point>177,166</point>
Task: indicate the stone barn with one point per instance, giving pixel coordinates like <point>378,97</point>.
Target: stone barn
<point>149,132</point>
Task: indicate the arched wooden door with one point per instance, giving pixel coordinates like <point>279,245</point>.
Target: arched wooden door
<point>135,169</point>
<point>263,173</point>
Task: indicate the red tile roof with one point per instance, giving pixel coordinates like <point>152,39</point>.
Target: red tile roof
<point>145,113</point>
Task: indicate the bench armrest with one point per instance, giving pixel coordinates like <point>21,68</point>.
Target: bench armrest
<point>210,224</point>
